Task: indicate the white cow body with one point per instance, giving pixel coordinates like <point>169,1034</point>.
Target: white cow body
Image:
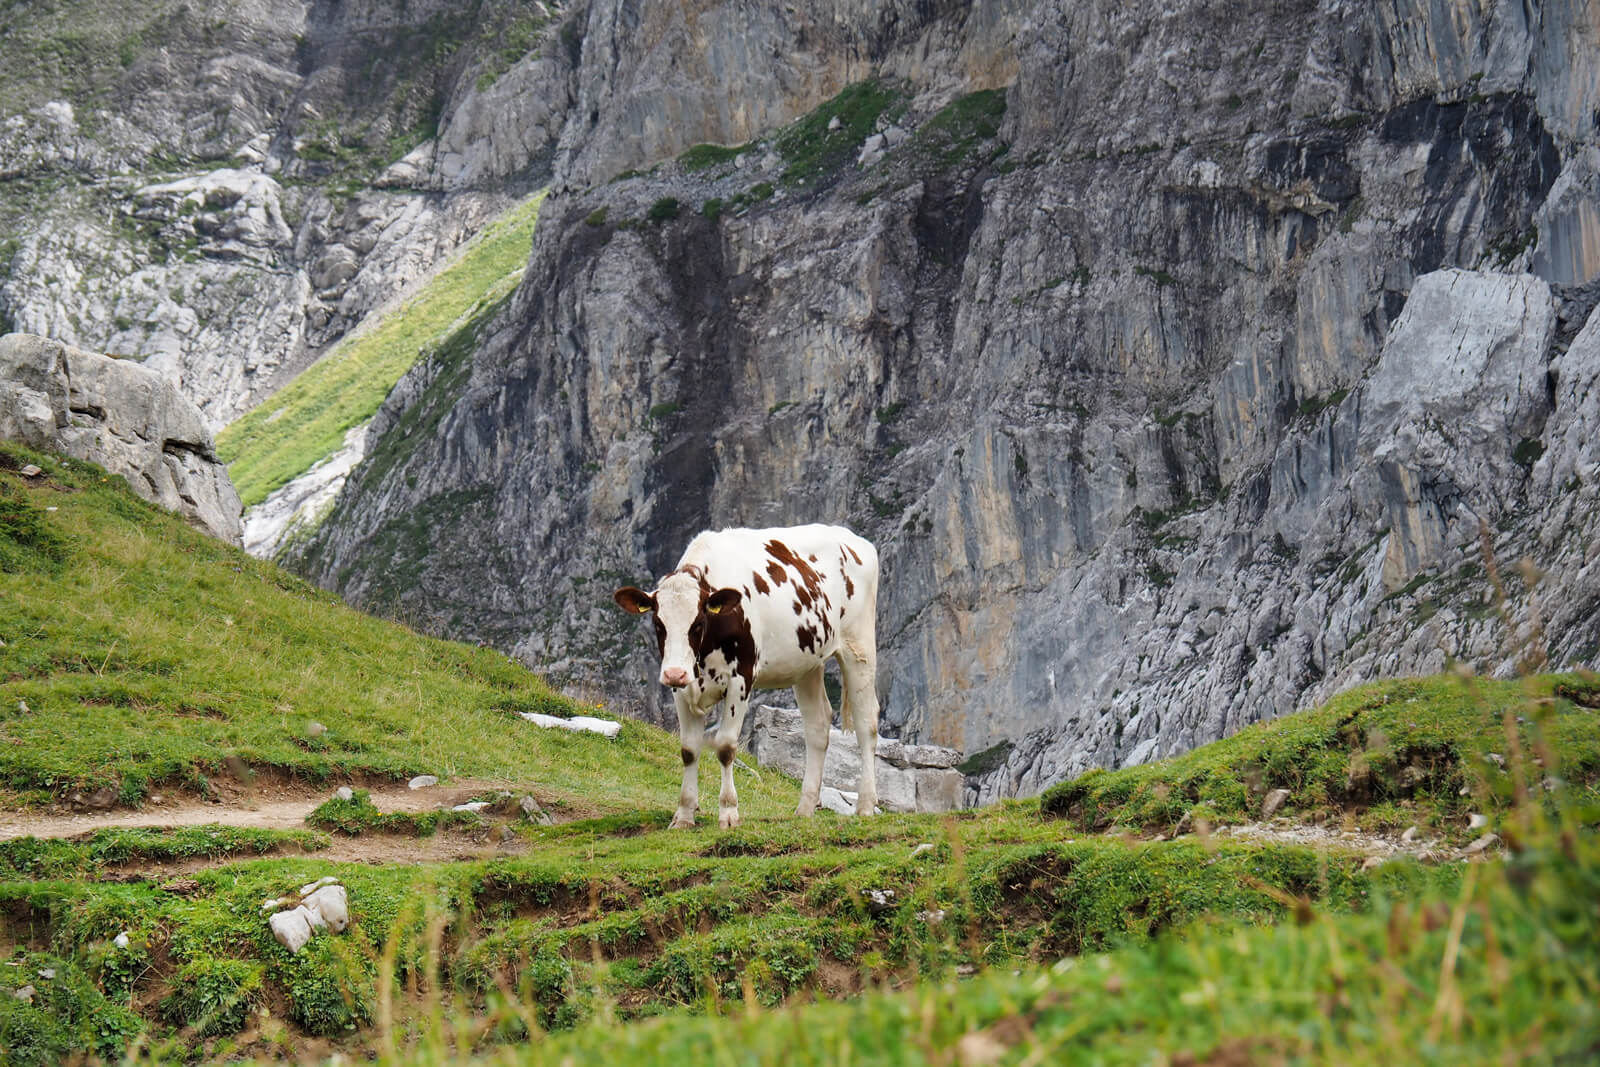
<point>749,609</point>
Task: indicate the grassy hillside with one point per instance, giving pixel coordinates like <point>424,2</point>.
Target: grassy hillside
<point>140,655</point>
<point>148,656</point>
<point>306,421</point>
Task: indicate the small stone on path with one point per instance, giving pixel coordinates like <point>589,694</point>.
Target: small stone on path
<point>1372,863</point>
<point>1411,834</point>
<point>1273,801</point>
<point>29,470</point>
<point>422,781</point>
<point>1476,821</point>
<point>1481,844</point>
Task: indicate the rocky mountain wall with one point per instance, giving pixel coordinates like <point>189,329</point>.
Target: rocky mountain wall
<point>228,189</point>
<point>1241,359</point>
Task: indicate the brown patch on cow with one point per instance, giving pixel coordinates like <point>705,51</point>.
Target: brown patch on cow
<point>812,557</point>
<point>853,555</point>
<point>849,588</point>
<point>761,586</point>
<point>727,631</point>
<point>798,607</point>
<point>776,570</point>
<point>661,636</point>
<point>725,754</point>
<point>685,755</point>
<point>807,575</point>
<point>806,638</point>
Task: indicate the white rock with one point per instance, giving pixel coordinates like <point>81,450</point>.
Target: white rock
<point>121,940</point>
<point>345,793</point>
<point>1372,863</point>
<point>837,800</point>
<point>1476,821</point>
<point>931,917</point>
<point>47,973</point>
<point>25,994</point>
<point>1480,844</point>
<point>926,846</point>
<point>422,781</point>
<point>474,806</point>
<point>578,723</point>
<point>1411,834</point>
<point>291,928</point>
<point>331,906</point>
<point>834,123</point>
<point>315,729</point>
<point>307,890</point>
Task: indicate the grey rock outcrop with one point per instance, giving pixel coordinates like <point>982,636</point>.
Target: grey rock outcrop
<point>909,777</point>
<point>125,417</point>
<point>1235,365</point>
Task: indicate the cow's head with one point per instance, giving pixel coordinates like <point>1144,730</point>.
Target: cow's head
<point>701,633</point>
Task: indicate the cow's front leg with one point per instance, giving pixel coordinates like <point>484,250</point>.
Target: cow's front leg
<point>734,708</point>
<point>691,733</point>
<point>816,716</point>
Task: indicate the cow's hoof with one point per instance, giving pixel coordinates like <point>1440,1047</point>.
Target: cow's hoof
<point>681,822</point>
<point>728,819</point>
<point>805,811</point>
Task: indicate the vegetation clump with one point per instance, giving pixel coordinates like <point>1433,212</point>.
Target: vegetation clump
<point>816,145</point>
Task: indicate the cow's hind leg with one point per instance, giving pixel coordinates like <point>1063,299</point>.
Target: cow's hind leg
<point>733,711</point>
<point>691,733</point>
<point>858,679</point>
<point>816,716</point>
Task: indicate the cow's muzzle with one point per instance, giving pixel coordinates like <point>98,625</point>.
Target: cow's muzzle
<point>676,677</point>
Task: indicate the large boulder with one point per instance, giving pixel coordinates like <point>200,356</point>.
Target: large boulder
<point>124,417</point>
<point>910,777</point>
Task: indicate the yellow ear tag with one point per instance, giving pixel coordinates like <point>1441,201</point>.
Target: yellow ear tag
<point>715,609</point>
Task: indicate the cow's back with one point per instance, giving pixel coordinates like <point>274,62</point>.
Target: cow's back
<point>807,590</point>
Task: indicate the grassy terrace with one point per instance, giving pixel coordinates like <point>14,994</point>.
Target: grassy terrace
<point>306,421</point>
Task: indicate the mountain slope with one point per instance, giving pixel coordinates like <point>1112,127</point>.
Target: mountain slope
<point>143,657</point>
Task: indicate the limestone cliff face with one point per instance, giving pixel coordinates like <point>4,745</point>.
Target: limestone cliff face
<point>1242,361</point>
<point>226,189</point>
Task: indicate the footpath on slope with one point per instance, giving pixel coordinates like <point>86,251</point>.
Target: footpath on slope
<point>283,806</point>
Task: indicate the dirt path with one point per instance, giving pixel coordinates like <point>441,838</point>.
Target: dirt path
<point>281,806</point>
<point>271,807</point>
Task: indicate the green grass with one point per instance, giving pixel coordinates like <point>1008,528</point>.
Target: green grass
<point>156,656</point>
<point>31,857</point>
<point>306,421</point>
<point>1505,969</point>
<point>812,151</point>
<point>1384,755</point>
<point>705,156</point>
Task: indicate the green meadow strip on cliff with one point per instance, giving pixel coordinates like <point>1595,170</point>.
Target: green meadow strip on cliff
<point>140,655</point>
<point>306,421</point>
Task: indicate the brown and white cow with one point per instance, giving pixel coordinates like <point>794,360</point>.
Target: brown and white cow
<point>765,609</point>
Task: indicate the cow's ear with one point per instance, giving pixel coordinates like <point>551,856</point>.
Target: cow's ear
<point>722,600</point>
<point>634,600</point>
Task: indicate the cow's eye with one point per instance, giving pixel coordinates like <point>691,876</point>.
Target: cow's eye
<point>697,628</point>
